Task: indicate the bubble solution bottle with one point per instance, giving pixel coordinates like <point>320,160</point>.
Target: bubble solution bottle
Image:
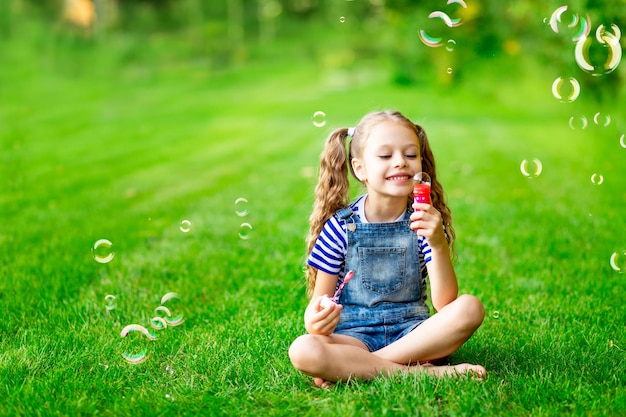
<point>421,188</point>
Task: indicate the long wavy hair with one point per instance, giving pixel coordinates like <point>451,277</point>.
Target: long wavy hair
<point>333,188</point>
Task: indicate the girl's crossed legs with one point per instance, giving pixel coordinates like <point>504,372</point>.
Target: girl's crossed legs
<point>339,357</point>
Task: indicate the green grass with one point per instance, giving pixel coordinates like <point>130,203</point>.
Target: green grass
<point>96,145</point>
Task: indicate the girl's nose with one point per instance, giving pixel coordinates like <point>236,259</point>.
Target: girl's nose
<point>400,161</point>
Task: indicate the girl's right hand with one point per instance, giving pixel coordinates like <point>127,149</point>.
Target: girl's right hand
<point>320,320</point>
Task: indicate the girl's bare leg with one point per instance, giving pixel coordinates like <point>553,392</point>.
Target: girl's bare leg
<point>338,358</point>
<point>440,335</point>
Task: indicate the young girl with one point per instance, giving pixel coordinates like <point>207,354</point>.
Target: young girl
<point>381,324</point>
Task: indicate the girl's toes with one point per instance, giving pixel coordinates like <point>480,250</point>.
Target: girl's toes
<point>321,383</point>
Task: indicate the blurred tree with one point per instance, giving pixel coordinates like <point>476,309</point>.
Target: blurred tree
<point>455,34</point>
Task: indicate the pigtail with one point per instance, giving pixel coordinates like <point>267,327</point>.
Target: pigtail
<point>437,193</point>
<point>331,193</point>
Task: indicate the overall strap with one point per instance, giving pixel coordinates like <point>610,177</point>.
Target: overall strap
<point>345,213</point>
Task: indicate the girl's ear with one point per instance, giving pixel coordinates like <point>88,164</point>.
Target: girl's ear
<point>359,170</point>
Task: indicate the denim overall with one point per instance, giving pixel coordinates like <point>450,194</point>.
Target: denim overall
<point>386,297</point>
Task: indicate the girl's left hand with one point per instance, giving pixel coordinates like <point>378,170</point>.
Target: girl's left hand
<point>426,221</point>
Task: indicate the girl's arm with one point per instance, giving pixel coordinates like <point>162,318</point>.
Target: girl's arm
<point>444,288</point>
<point>319,320</point>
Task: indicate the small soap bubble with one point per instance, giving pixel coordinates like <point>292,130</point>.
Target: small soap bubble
<point>531,168</point>
<point>495,314</point>
<point>447,20</point>
<point>566,90</point>
<point>449,70</point>
<point>459,2</point>
<point>241,209</point>
<point>618,261</point>
<point>136,346</point>
<point>430,41</point>
<point>244,232</point>
<point>102,251</point>
<point>422,178</point>
<point>602,119</point>
<point>342,19</point>
<point>111,303</point>
<point>173,302</point>
<point>158,323</point>
<point>450,45</point>
<point>563,20</point>
<point>319,119</point>
<point>185,226</point>
<point>169,397</point>
<point>169,370</point>
<point>579,122</point>
<point>622,141</point>
<point>597,179</point>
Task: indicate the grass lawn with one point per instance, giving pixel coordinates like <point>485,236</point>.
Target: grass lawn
<point>97,145</point>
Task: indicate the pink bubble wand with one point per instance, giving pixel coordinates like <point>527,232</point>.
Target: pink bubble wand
<point>326,301</point>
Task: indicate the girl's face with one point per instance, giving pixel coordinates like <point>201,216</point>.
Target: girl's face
<point>389,161</point>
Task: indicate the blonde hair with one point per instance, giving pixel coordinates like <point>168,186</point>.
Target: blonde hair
<point>333,188</point>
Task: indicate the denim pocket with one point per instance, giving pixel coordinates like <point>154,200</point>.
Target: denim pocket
<point>382,269</point>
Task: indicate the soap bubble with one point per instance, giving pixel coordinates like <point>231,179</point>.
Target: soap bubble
<point>185,226</point>
<point>562,20</point>
<point>531,168</point>
<point>618,261</point>
<point>622,141</point>
<point>241,208</point>
<point>495,314</point>
<point>342,19</point>
<point>450,45</point>
<point>430,41</point>
<point>602,119</point>
<point>102,251</point>
<point>597,179</point>
<point>601,54</point>
<point>319,119</point>
<point>173,302</point>
<point>566,94</point>
<point>244,232</point>
<point>450,22</point>
<point>135,349</point>
<point>111,303</point>
<point>579,122</point>
<point>422,178</point>
<point>449,70</point>
<point>158,323</point>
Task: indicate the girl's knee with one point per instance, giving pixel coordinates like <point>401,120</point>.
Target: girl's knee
<point>471,309</point>
<point>307,352</point>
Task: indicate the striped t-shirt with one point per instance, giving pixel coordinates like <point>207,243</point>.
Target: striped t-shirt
<point>331,247</point>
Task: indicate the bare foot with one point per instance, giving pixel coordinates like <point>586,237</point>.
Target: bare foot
<point>322,383</point>
<point>455,370</point>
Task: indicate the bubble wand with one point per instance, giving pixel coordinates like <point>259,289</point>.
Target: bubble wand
<point>325,303</point>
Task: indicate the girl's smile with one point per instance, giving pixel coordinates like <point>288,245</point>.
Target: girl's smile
<point>400,178</point>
